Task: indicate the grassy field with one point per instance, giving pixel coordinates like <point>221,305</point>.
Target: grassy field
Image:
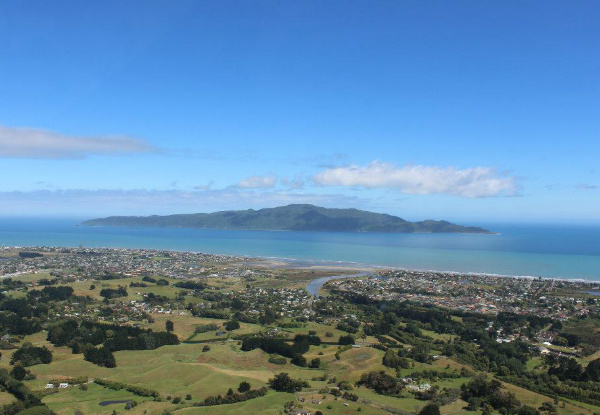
<point>6,398</point>
<point>185,369</point>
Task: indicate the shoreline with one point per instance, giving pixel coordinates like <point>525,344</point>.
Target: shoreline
<point>319,264</point>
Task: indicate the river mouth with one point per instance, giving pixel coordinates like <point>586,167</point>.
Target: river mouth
<point>314,286</point>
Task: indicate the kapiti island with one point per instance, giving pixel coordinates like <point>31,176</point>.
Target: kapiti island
<point>298,217</point>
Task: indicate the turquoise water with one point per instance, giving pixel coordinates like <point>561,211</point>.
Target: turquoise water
<point>524,250</point>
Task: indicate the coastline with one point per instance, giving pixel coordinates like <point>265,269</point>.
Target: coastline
<point>324,265</point>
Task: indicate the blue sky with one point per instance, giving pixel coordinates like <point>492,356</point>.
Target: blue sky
<point>462,110</point>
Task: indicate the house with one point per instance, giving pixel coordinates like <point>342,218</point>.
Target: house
<point>543,350</point>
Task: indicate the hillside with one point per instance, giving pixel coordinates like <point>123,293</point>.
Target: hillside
<point>290,218</point>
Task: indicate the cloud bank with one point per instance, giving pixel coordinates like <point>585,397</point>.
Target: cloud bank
<point>258,182</point>
<point>416,179</point>
<point>43,144</point>
<point>95,203</point>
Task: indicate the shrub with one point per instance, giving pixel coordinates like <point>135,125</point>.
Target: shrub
<point>278,360</point>
<point>282,382</point>
<point>430,409</point>
<point>232,325</point>
<point>244,387</point>
<point>346,340</point>
<point>29,355</point>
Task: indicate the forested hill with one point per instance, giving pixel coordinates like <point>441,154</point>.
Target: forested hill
<point>291,218</point>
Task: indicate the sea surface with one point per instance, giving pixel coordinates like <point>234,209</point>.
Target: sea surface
<point>555,251</point>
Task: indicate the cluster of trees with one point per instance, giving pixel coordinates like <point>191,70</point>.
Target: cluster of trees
<point>280,347</point>
<point>20,373</point>
<point>437,396</point>
<point>208,312</point>
<point>394,360</point>
<point>83,337</point>
<point>311,339</point>
<point>22,316</point>
<point>234,397</point>
<point>155,299</point>
<point>490,356</point>
<point>510,321</point>
<point>25,398</point>
<point>349,326</point>
<point>381,383</point>
<point>136,390</point>
<point>109,293</point>
<point>282,382</point>
<point>29,355</point>
<point>204,328</point>
<point>46,281</point>
<point>483,393</point>
<point>47,294</point>
<point>99,356</point>
<point>346,340</point>
<point>190,285</point>
<point>232,325</point>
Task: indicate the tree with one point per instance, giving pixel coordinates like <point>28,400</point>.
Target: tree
<point>527,410</point>
<point>381,383</point>
<point>391,359</point>
<point>315,363</point>
<point>592,371</point>
<point>299,360</point>
<point>268,317</point>
<point>244,387</point>
<point>548,407</point>
<point>282,382</point>
<point>346,340</point>
<point>29,355</point>
<point>18,372</point>
<point>232,325</point>
<point>169,326</point>
<point>430,409</point>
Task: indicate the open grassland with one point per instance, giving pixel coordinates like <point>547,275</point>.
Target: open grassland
<point>186,369</point>
<point>69,400</point>
<point>6,398</point>
<point>271,404</point>
<point>535,400</point>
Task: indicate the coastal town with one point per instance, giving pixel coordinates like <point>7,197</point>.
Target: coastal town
<point>479,293</point>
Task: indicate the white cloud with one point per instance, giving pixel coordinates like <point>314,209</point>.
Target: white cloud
<point>416,179</point>
<point>258,182</point>
<point>36,143</point>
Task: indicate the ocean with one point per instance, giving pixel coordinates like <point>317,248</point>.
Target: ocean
<point>571,252</point>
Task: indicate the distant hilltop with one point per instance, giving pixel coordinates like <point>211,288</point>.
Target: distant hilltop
<point>290,218</point>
